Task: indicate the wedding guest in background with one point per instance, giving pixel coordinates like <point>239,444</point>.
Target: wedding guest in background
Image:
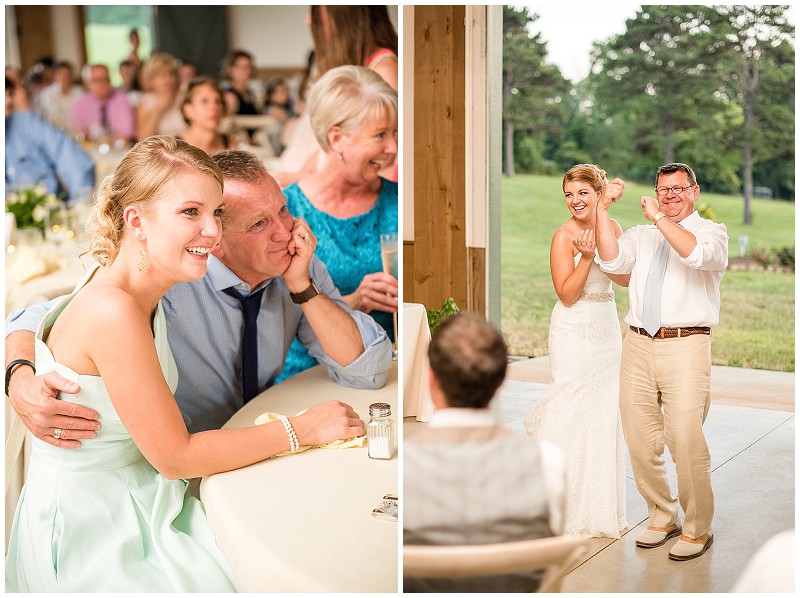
<point>355,35</point>
<point>38,152</point>
<point>35,84</point>
<point>186,72</point>
<point>468,479</point>
<point>20,98</point>
<point>57,99</point>
<point>129,73</point>
<point>348,204</point>
<point>133,55</point>
<point>203,109</point>
<point>102,111</point>
<point>159,110</point>
<point>278,105</point>
<point>675,266</point>
<point>239,99</point>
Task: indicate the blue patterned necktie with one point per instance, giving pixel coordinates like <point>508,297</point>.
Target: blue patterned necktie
<point>251,305</point>
<point>651,311</point>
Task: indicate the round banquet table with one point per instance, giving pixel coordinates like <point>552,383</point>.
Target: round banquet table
<point>302,522</point>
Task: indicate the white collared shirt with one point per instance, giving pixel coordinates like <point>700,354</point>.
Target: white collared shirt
<point>690,294</point>
<point>552,457</point>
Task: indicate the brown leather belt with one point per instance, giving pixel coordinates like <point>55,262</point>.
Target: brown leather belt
<point>674,332</point>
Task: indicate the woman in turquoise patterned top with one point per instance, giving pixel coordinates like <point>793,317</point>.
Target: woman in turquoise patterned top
<point>353,113</point>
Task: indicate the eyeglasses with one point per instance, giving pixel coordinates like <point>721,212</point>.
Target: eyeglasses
<point>677,190</point>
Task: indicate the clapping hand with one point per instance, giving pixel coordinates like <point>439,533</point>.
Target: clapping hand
<point>611,193</point>
<point>585,243</point>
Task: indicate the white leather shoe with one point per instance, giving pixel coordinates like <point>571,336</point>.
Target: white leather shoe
<point>686,551</point>
<point>651,538</point>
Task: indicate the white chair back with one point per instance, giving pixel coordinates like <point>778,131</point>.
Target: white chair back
<point>558,555</point>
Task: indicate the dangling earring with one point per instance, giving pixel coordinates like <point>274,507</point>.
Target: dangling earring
<point>144,263</point>
<point>341,156</point>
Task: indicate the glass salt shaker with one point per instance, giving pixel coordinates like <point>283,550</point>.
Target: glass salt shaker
<point>380,431</point>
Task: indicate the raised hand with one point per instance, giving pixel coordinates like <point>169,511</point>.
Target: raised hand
<point>376,291</point>
<point>611,193</point>
<point>650,207</point>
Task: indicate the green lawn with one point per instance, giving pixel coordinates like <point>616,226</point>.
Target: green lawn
<point>756,328</point>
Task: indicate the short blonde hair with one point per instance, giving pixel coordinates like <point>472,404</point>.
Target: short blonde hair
<point>587,173</point>
<point>147,167</point>
<point>347,97</point>
<point>159,63</point>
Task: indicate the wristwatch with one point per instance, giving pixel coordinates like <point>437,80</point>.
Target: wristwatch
<point>658,216</point>
<point>309,293</point>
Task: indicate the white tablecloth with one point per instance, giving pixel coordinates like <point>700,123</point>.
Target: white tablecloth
<point>415,339</point>
<point>302,523</point>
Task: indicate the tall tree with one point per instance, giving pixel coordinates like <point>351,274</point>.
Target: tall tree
<point>662,67</point>
<point>532,88</point>
<point>759,34</point>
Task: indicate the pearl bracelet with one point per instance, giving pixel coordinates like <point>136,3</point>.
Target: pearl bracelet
<point>294,444</point>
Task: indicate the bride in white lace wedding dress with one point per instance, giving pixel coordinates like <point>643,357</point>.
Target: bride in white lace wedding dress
<point>579,411</point>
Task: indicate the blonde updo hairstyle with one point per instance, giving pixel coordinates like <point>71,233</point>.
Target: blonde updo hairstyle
<point>139,177</point>
<point>587,173</point>
<point>348,96</point>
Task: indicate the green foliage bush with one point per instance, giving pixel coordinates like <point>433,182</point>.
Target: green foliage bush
<point>437,316</point>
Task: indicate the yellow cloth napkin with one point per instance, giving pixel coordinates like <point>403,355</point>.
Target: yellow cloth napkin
<point>357,442</point>
<point>28,264</point>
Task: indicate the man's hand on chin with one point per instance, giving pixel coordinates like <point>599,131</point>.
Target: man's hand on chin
<point>301,247</point>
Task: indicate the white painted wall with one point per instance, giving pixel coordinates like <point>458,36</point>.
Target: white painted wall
<point>277,36</point>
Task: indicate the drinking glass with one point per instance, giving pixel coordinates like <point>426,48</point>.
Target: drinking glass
<point>389,260</point>
<point>57,226</point>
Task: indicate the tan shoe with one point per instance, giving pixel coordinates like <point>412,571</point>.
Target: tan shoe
<point>686,551</point>
<point>650,538</point>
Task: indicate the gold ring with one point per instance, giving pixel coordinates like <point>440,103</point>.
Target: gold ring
<point>305,236</point>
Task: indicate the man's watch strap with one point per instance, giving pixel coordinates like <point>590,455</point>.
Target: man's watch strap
<point>309,293</point>
<point>13,365</point>
<point>658,216</point>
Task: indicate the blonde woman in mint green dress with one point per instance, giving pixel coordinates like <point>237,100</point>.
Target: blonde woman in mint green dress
<point>114,515</point>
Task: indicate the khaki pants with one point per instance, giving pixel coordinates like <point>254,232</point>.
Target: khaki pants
<point>674,374</point>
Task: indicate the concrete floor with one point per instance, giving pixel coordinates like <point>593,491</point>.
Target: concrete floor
<point>753,464</point>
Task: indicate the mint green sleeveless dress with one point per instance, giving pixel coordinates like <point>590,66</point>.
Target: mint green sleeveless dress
<point>100,518</point>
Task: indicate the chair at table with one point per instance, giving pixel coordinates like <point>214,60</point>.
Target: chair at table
<point>556,555</point>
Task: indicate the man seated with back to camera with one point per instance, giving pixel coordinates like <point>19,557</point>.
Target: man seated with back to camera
<point>468,479</point>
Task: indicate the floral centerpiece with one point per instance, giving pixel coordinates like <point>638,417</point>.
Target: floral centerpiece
<point>31,205</point>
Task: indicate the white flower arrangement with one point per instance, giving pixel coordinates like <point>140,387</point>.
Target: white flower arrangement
<point>31,205</point>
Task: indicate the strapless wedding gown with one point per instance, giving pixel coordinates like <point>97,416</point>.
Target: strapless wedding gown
<point>100,518</point>
<point>579,411</point>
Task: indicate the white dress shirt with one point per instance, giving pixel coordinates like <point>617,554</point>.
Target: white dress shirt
<point>691,285</point>
<point>552,457</point>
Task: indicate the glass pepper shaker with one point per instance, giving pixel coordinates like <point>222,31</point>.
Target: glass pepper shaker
<point>380,431</point>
